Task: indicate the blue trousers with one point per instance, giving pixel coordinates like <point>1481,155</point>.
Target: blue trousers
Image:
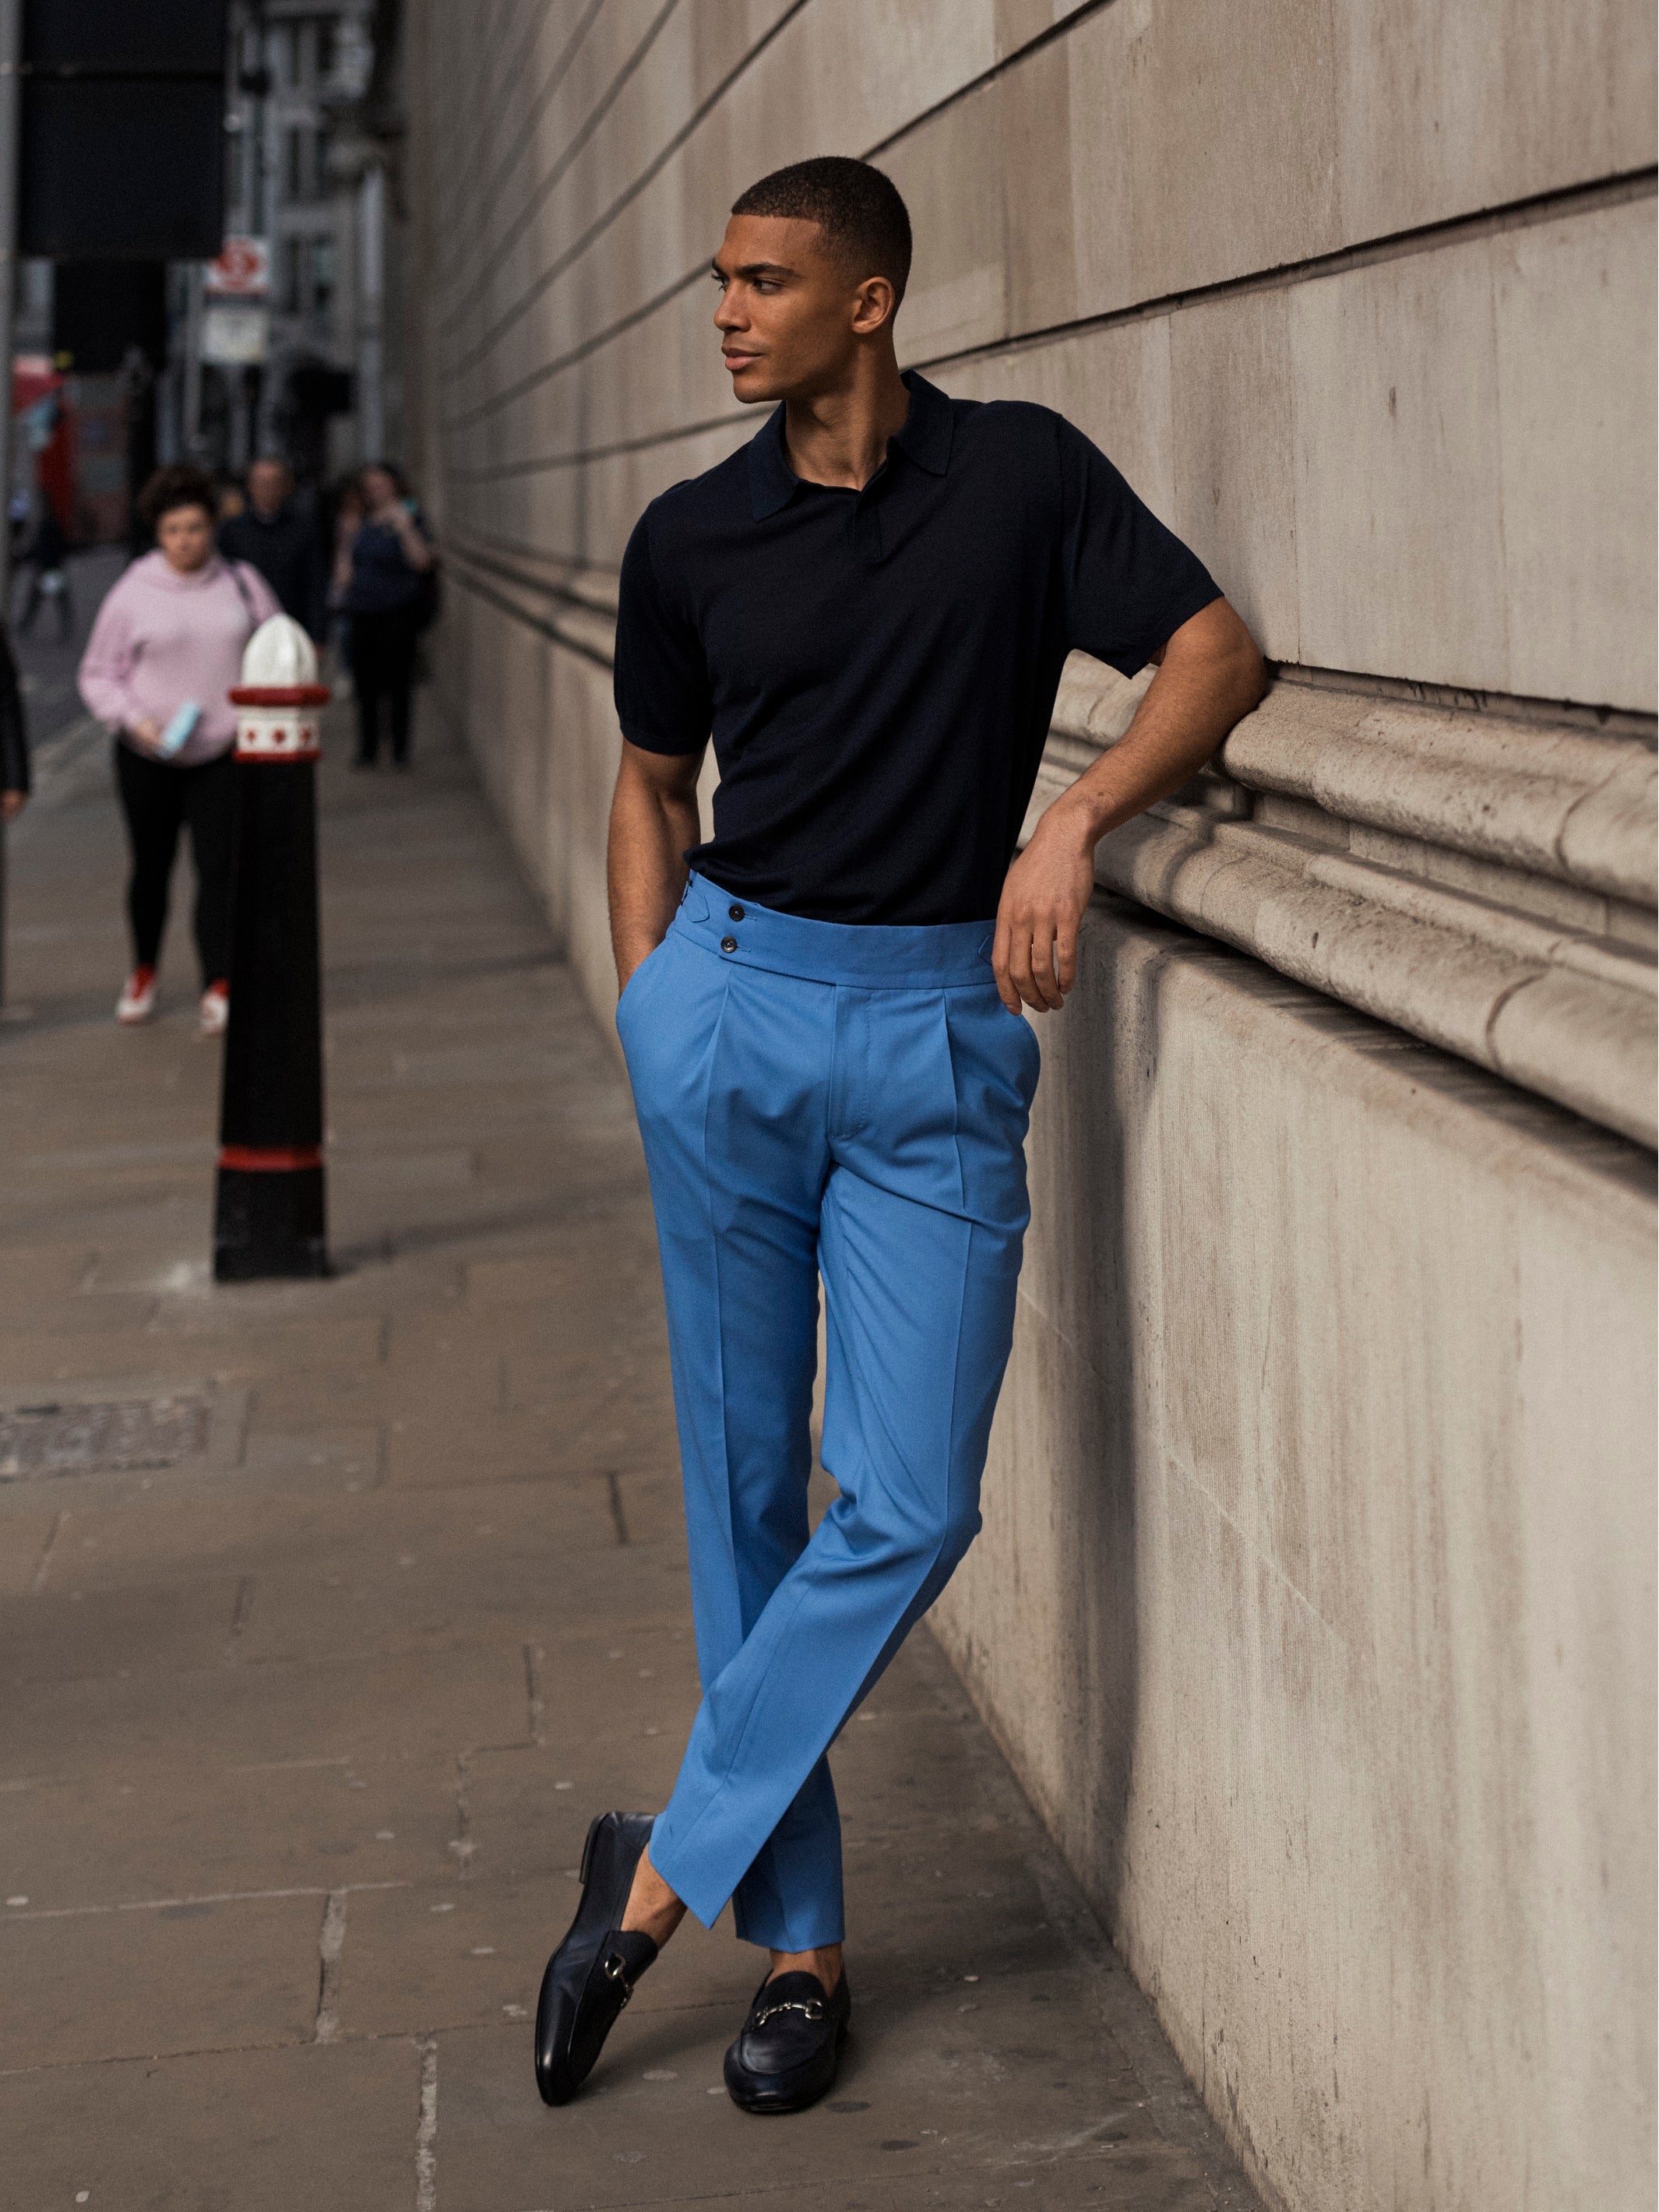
<point>849,1102</point>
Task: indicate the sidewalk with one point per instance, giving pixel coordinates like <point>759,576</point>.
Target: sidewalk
<point>322,1641</point>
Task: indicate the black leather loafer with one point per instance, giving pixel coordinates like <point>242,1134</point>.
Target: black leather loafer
<point>789,2050</point>
<point>591,1977</point>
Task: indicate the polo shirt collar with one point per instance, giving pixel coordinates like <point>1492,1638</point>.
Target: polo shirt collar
<point>924,439</point>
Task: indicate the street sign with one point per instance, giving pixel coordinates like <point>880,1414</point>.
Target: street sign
<point>235,333</point>
<point>241,270</point>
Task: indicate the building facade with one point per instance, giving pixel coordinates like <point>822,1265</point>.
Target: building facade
<point>307,156</point>
<point>1315,1602</point>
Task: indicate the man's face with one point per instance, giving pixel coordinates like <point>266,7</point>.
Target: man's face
<point>267,485</point>
<point>790,316</point>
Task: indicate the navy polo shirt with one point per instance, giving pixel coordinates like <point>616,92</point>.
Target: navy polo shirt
<point>878,668</point>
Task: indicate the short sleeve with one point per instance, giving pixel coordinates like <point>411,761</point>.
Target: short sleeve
<point>662,689</point>
<point>1129,583</point>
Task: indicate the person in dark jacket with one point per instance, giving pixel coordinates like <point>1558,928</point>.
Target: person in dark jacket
<point>276,534</point>
<point>45,554</point>
<point>384,575</point>
<point>13,737</point>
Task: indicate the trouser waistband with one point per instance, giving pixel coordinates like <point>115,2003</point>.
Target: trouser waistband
<point>877,956</point>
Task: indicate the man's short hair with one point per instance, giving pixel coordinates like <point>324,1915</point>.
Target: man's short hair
<point>864,222</point>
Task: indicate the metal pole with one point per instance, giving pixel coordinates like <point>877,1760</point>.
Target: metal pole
<point>192,410</point>
<point>11,52</point>
<point>11,48</point>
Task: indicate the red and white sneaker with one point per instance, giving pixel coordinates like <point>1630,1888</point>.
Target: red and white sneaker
<point>138,1001</point>
<point>215,1009</point>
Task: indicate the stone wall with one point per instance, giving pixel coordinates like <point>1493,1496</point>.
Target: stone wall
<point>1315,1603</point>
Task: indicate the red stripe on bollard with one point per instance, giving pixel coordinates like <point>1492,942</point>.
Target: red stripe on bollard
<point>271,1160</point>
<point>279,695</point>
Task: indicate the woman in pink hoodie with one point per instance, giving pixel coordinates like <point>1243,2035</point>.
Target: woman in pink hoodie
<point>164,651</point>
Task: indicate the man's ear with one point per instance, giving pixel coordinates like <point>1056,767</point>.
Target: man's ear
<point>875,303</point>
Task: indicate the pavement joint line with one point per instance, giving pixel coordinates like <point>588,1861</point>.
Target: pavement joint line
<point>426,2130</point>
<point>218,1896</point>
<point>239,1611</point>
<point>462,1844</point>
<point>285,1765</point>
<point>38,1580</point>
<point>533,1655</point>
<point>330,1941</point>
<point>613,1490</point>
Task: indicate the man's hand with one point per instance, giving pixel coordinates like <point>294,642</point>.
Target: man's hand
<point>1034,958</point>
<point>653,819</point>
<point>148,731</point>
<point>1209,674</point>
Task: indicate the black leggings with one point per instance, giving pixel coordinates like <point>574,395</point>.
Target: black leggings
<point>158,799</point>
<point>383,668</point>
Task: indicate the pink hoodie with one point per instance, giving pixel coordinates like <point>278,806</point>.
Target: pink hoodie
<point>161,638</point>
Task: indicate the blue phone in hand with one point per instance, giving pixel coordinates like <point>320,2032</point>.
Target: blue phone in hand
<point>176,736</point>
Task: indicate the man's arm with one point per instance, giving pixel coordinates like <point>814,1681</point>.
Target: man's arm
<point>654,818</point>
<point>1210,674</point>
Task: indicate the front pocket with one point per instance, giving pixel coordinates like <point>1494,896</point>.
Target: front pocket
<point>628,987</point>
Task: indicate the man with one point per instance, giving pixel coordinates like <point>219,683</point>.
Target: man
<point>868,607</point>
<point>274,534</point>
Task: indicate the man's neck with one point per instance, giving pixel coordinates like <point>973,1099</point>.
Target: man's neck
<point>840,437</point>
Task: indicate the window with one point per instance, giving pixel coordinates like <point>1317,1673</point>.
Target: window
<point>305,164</point>
<point>322,277</point>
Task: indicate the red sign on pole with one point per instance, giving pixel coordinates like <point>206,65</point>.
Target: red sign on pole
<point>242,270</point>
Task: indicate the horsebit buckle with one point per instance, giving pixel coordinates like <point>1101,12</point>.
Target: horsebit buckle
<point>614,1969</point>
<point>811,2010</point>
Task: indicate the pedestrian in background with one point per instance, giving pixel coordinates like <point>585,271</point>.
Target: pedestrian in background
<point>347,505</point>
<point>45,551</point>
<point>385,576</point>
<point>277,534</point>
<point>14,778</point>
<point>164,653</point>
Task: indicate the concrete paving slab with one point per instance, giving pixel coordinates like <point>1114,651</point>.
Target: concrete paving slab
<point>71,1636</point>
<point>192,1975</point>
<point>358,1707</point>
<point>261,2130</point>
<point>269,1529</point>
<point>221,1348</point>
<point>530,1805</point>
<point>277,1825</point>
<point>53,1270</point>
<point>603,1425</point>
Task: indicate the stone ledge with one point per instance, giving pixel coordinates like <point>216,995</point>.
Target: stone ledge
<point>1484,883</point>
<point>1560,1001</point>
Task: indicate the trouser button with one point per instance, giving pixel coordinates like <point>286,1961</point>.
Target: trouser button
<point>728,944</point>
<point>736,912</point>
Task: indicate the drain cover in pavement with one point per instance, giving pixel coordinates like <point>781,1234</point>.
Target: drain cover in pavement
<point>119,1434</point>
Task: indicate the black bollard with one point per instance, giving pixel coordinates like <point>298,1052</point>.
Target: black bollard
<point>269,1218</point>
